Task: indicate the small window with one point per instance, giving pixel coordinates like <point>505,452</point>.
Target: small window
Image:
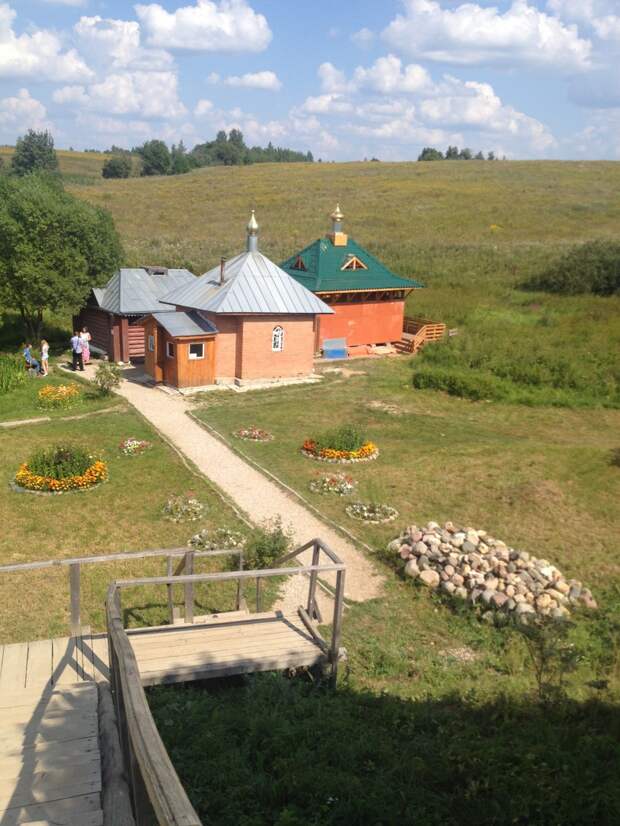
<point>299,264</point>
<point>353,263</point>
<point>170,349</point>
<point>277,340</point>
<point>197,350</point>
<point>151,344</point>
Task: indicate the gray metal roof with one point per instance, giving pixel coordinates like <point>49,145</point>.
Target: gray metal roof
<point>253,284</point>
<point>184,324</point>
<point>136,291</point>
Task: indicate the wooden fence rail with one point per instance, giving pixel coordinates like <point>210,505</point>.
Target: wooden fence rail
<point>420,331</point>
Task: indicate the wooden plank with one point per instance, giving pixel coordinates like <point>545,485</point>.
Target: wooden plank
<point>37,787</point>
<point>208,619</point>
<point>72,811</point>
<point>91,819</point>
<point>67,664</point>
<point>14,665</point>
<point>84,644</point>
<point>28,797</point>
<point>100,655</point>
<point>71,726</point>
<point>32,698</point>
<point>46,756</point>
<point>224,649</point>
<point>39,668</point>
<point>74,589</point>
<point>216,633</point>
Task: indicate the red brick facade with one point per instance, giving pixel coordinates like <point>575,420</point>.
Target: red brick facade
<point>368,322</point>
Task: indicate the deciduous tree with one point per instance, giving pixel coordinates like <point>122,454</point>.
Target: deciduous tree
<point>34,152</point>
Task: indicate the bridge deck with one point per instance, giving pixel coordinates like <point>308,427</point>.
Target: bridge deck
<point>224,645</point>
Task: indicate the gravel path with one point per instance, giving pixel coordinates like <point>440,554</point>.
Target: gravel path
<point>254,494</point>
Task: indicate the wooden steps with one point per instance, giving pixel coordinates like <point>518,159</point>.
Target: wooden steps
<point>50,765</point>
<point>224,646</point>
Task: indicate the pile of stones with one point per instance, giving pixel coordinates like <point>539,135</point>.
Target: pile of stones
<point>471,565</point>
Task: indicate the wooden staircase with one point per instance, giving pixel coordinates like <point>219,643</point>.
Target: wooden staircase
<point>417,332</point>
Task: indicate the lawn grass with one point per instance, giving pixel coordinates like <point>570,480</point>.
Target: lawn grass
<point>121,515</point>
<point>436,718</point>
<point>23,401</point>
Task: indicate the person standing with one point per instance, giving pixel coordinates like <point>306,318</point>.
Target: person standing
<point>45,353</point>
<point>86,338</point>
<point>76,352</point>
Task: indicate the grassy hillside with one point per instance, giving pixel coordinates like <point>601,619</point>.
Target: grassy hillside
<point>472,232</point>
<point>75,167</point>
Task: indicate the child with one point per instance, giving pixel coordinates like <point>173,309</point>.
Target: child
<point>31,361</point>
<point>45,351</point>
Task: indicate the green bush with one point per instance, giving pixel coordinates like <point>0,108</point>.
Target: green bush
<point>117,167</point>
<point>590,268</point>
<point>12,372</point>
<point>107,377</point>
<point>346,437</point>
<point>266,544</point>
<point>471,385</point>
<point>60,461</point>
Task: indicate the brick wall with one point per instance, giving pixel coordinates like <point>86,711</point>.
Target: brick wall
<point>258,361</point>
<point>371,322</point>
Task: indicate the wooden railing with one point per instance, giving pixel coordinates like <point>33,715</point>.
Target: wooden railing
<point>420,331</point>
<point>74,566</point>
<point>157,793</point>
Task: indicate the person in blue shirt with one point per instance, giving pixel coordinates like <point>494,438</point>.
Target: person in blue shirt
<point>77,358</point>
<point>31,361</point>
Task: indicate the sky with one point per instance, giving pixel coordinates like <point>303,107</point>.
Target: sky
<point>347,80</point>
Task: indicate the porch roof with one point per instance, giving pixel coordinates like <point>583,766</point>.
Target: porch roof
<point>179,324</point>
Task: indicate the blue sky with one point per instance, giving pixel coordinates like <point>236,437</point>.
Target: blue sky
<point>348,80</point>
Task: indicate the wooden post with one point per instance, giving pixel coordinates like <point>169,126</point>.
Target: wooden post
<point>170,593</point>
<point>189,588</point>
<point>74,586</point>
<point>258,595</point>
<point>337,624</point>
<point>311,607</point>
<point>124,332</point>
<point>240,584</point>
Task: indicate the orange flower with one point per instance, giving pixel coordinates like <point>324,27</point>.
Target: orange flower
<point>97,472</point>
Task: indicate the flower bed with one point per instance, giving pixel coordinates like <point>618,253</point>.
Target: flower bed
<point>54,396</point>
<point>132,447</point>
<point>340,484</point>
<point>371,512</point>
<point>218,539</point>
<point>253,434</point>
<point>183,509</point>
<point>366,453</point>
<point>61,469</point>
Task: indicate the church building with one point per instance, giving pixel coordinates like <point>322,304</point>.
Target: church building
<point>367,300</point>
<point>244,321</point>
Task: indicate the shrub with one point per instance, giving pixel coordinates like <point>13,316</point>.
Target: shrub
<point>59,396</point>
<point>346,438</point>
<point>107,377</point>
<point>470,385</point>
<point>589,268</point>
<point>183,508</point>
<point>267,543</point>
<point>117,167</point>
<point>12,372</point>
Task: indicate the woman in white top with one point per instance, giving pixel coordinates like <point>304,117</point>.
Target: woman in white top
<point>85,336</point>
<point>45,351</point>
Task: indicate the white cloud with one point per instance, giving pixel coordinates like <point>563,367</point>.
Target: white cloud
<point>20,113</point>
<point>202,108</point>
<point>332,79</point>
<point>147,94</point>
<point>116,43</point>
<point>225,26</point>
<point>363,38</point>
<point>39,55</point>
<point>324,104</point>
<point>599,139</point>
<point>387,75</point>
<point>608,27</point>
<point>472,34</point>
<point>76,3</point>
<point>256,80</point>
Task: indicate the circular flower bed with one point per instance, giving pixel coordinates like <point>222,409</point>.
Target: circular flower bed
<point>366,453</point>
<point>131,447</point>
<point>61,469</point>
<point>339,483</point>
<point>183,508</point>
<point>372,512</point>
<point>54,396</point>
<point>253,434</point>
<point>218,539</point>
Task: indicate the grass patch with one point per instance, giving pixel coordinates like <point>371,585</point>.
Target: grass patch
<point>122,515</point>
<point>23,401</point>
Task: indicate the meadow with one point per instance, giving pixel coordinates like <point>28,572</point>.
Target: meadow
<point>75,167</point>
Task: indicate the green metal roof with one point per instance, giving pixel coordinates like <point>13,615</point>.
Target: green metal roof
<point>324,261</point>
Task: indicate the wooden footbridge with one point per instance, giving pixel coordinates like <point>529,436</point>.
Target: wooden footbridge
<point>78,743</point>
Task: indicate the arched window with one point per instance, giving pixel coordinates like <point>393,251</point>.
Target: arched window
<point>277,339</point>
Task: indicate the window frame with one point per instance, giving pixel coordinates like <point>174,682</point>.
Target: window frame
<point>277,339</point>
<point>191,344</point>
<point>151,343</point>
<point>170,349</point>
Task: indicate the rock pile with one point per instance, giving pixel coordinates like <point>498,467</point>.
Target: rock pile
<point>471,565</point>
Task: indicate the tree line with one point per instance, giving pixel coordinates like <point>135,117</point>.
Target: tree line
<point>453,153</point>
<point>155,158</point>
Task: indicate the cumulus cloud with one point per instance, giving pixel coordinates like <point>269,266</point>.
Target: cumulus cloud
<point>471,34</point>
<point>363,38</point>
<point>76,3</point>
<point>203,107</point>
<point>333,80</point>
<point>323,104</point>
<point>39,55</point>
<point>147,94</point>
<point>20,113</point>
<point>251,80</point>
<point>116,44</point>
<point>387,75</point>
<point>209,26</point>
